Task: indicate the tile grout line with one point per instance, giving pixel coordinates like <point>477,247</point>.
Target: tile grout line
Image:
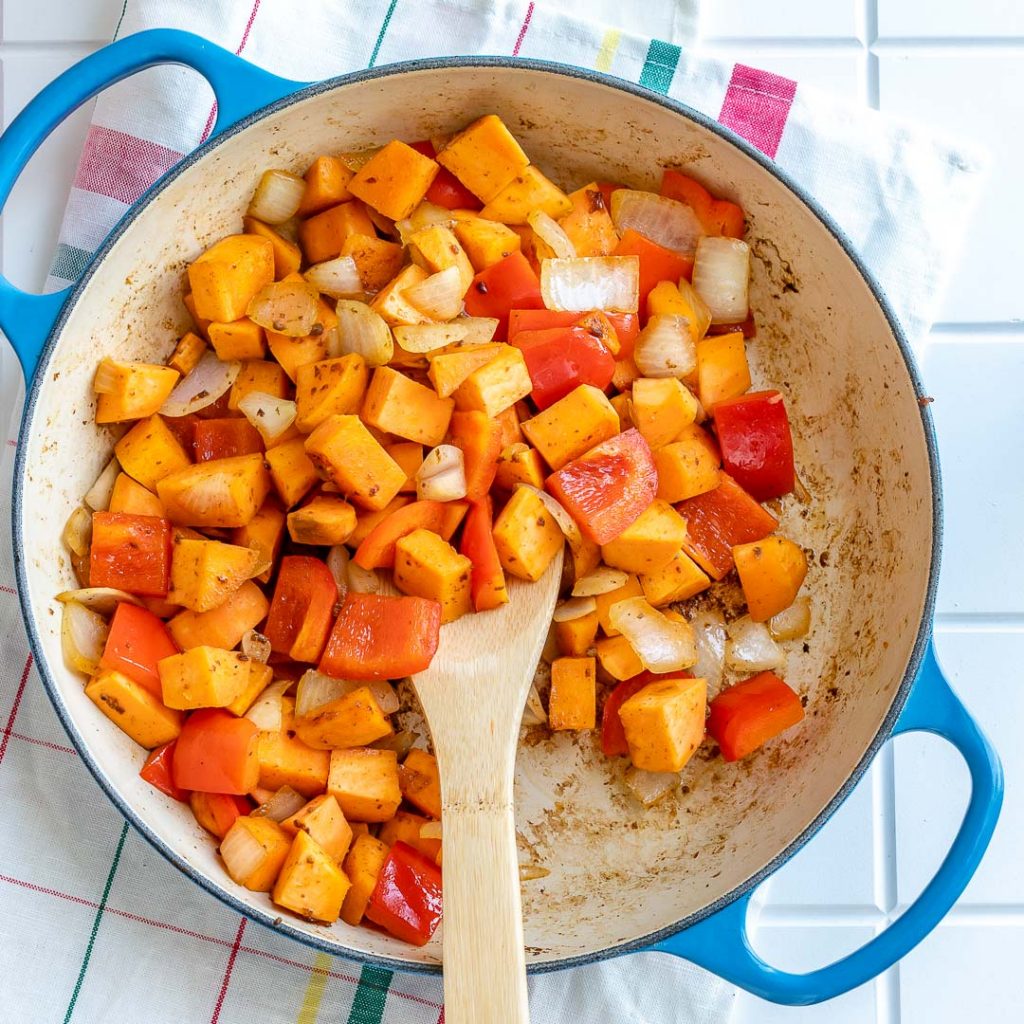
<point>869,28</point>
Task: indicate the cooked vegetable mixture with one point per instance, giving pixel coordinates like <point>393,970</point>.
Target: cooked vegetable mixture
<point>417,371</point>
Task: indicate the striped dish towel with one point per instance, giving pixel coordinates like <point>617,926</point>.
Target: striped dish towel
<point>95,926</point>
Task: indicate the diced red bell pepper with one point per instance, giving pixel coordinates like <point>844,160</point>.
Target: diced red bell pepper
<point>302,608</point>
<point>487,580</point>
<point>718,520</point>
<point>613,735</point>
<point>217,812</point>
<point>158,771</point>
<point>562,358</point>
<point>130,552</point>
<point>406,901</point>
<point>627,325</point>
<point>225,438</point>
<point>446,190</point>
<point>656,262</point>
<point>748,327</point>
<point>479,436</point>
<point>380,637</point>
<point>509,284</point>
<point>135,644</point>
<point>606,188</point>
<point>717,216</point>
<point>184,429</point>
<point>377,549</point>
<point>747,715</point>
<point>217,753</point>
<point>757,446</point>
<point>606,489</point>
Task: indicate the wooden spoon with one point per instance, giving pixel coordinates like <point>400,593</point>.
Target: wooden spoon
<point>473,696</point>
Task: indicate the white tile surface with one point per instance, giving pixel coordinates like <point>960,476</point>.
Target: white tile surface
<point>796,19</point>
<point>927,18</point>
<point>60,20</point>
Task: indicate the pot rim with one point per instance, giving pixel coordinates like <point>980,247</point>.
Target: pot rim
<point>275,921</point>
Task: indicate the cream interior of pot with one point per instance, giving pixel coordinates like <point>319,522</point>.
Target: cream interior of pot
<point>609,871</point>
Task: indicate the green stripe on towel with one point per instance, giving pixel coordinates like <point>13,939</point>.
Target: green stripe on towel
<point>660,65</point>
<point>371,995</point>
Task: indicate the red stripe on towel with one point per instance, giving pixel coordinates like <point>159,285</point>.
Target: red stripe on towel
<point>756,106</point>
<point>523,30</point>
<point>119,165</point>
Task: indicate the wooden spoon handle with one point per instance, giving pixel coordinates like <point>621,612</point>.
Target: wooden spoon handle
<point>484,961</point>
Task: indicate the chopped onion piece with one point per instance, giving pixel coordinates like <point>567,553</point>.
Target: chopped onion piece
<point>481,329</point>
<point>83,635</point>
<point>602,580</point>
<point>531,872</point>
<point>611,283</point>
<point>420,338</point>
<point>339,278</point>
<point>400,742</point>
<point>430,830</point>
<point>270,415</point>
<point>439,296</point>
<point>551,233</point>
<point>338,562</point>
<point>709,631</point>
<point>665,347</point>
<point>286,307</point>
<point>255,646</point>
<point>442,477</point>
<point>574,608</point>
<point>424,216</point>
<point>365,581</point>
<point>533,712</point>
<point>277,197</point>
<point>702,314</point>
<point>98,496</point>
<point>358,158</point>
<point>551,649</point>
<point>202,387</point>
<point>315,689</point>
<point>385,225</point>
<point>660,643</point>
<point>586,555</point>
<point>242,852</point>
<point>78,532</point>
<point>99,599</point>
<point>721,276</point>
<point>668,222</point>
<point>750,647</point>
<point>363,331</point>
<point>267,711</point>
<point>792,623</point>
<point>283,804</point>
<point>650,787</point>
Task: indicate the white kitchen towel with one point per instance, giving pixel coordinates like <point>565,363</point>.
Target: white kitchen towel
<point>96,927</point>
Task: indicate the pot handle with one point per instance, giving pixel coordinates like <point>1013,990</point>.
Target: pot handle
<point>720,942</point>
<point>240,88</point>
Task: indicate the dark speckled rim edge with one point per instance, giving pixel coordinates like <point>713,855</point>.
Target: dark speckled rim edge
<point>280,924</point>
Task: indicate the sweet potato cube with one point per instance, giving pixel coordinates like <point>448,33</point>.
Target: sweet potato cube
<point>326,520</point>
<point>664,723</point>
<point>722,370</point>
<point>572,425</point>
<point>771,573</point>
<point>240,339</point>
<point>203,677</point>
<point>427,566</point>
<point>323,237</point>
<point>376,259</point>
<point>680,579</point>
<point>589,224</point>
<point>311,883</point>
<point>294,353</point>
<point>263,533</point>
<point>150,451</point>
<point>226,277</point>
<point>258,375</point>
<point>391,304</point>
<point>409,456</point>
<point>484,156</point>
<point>362,865</point>
<point>519,464</point>
<point>486,242</point>
<point>437,248</point>
<point>497,384</point>
<point>449,369</point>
<point>260,873</point>
<point>398,405</point>
<point>394,180</point>
<point>291,470</point>
<point>327,388</point>
<point>345,452</point>
<point>631,588</point>
<point>366,521</point>
<point>420,781</point>
<point>326,184</point>
<point>352,720</point>
<point>662,407</point>
<point>134,709</point>
<point>649,542</point>
<point>364,781</point>
<point>576,636</point>
<point>205,573</point>
<point>526,536</point>
<point>187,353</point>
<point>573,701</point>
<point>190,304</point>
<point>284,760</point>
<point>618,658</point>
<point>322,818</point>
<point>130,496</point>
<point>131,391</point>
<point>222,492</point>
<point>260,677</point>
<point>222,627</point>
<point>688,466</point>
<point>527,191</point>
<point>405,827</point>
<point>287,255</point>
